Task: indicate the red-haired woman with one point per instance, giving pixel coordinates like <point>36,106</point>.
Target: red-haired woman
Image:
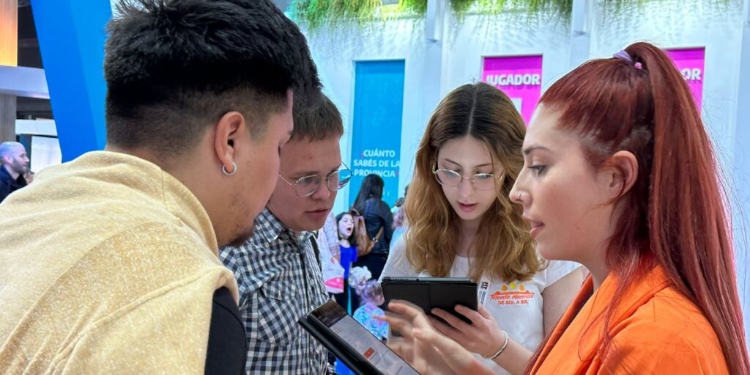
<point>619,175</point>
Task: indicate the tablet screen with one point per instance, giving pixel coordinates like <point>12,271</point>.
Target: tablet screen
<point>431,292</point>
<point>361,340</point>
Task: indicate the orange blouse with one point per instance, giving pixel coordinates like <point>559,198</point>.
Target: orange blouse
<point>654,330</point>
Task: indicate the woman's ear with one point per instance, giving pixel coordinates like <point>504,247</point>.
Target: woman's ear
<point>622,172</point>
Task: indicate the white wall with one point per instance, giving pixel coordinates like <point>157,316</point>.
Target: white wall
<point>478,36</point>
<point>740,171</point>
<point>688,23</point>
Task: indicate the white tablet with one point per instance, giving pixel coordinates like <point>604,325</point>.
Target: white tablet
<point>352,343</point>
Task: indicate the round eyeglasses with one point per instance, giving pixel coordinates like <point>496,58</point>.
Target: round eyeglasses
<point>306,186</point>
<point>449,177</point>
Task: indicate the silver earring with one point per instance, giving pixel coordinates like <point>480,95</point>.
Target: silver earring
<point>224,169</point>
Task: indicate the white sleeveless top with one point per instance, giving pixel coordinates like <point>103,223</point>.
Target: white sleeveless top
<point>515,306</point>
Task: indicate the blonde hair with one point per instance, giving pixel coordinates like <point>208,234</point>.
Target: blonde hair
<point>505,248</point>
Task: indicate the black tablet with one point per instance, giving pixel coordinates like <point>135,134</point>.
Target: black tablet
<point>352,343</point>
<point>432,292</point>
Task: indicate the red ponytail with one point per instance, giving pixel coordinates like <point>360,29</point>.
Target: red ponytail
<point>644,106</point>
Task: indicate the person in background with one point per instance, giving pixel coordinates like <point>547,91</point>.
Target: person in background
<point>29,176</point>
<point>605,183</point>
<point>108,263</point>
<point>462,224</point>
<point>378,220</point>
<point>400,224</point>
<point>397,205</point>
<point>371,295</point>
<point>329,257</point>
<point>14,165</point>
<point>277,269</point>
<point>328,235</point>
<point>348,255</point>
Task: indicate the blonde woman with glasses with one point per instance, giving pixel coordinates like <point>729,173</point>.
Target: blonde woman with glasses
<point>462,224</point>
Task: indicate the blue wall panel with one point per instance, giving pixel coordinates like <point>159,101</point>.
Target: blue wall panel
<point>71,37</point>
<point>376,134</point>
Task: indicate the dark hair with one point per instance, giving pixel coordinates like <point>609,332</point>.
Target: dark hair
<point>174,67</point>
<point>353,237</point>
<point>317,121</point>
<point>369,291</point>
<point>673,216</point>
<point>372,187</point>
<point>486,114</point>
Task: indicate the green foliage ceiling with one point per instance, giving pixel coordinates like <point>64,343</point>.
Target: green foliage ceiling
<point>560,7</point>
<point>316,13</point>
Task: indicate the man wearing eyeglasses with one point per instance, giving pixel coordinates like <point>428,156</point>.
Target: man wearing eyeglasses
<point>277,269</point>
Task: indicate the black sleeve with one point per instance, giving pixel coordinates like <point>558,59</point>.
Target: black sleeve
<point>314,244</point>
<point>388,223</point>
<point>4,189</point>
<point>227,344</point>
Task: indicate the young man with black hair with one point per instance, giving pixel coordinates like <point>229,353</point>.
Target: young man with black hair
<point>277,268</point>
<point>109,263</point>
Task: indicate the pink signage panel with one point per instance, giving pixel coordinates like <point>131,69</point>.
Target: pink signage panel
<point>690,62</point>
<point>519,77</point>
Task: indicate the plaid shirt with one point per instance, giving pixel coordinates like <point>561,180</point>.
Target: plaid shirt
<point>279,282</point>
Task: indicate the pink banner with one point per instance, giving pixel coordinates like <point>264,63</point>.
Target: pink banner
<point>519,77</point>
<point>690,63</point>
